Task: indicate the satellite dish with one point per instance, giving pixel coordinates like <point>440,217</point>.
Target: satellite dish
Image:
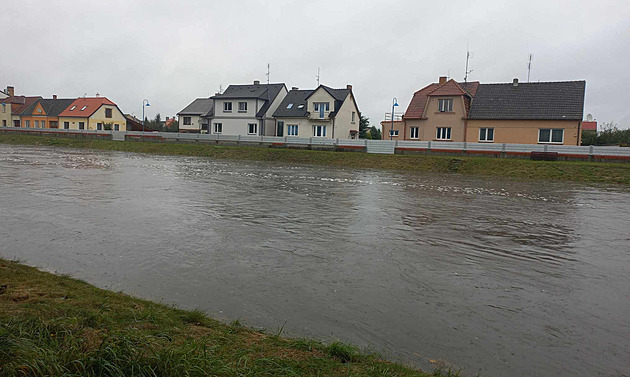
<point>589,117</point>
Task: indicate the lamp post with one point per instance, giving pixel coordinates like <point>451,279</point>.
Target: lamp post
<point>391,132</point>
<point>143,106</point>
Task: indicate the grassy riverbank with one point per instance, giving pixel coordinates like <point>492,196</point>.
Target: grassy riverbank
<point>53,325</point>
<point>514,168</point>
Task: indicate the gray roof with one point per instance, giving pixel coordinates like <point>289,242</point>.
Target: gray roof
<point>267,92</point>
<point>542,101</point>
<point>200,106</point>
<point>52,107</point>
<point>300,97</point>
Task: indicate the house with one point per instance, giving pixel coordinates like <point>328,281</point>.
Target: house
<point>92,113</point>
<point>133,123</point>
<point>44,113</point>
<point>321,112</point>
<point>246,109</point>
<point>196,116</point>
<point>12,106</point>
<point>524,113</point>
<point>589,125</point>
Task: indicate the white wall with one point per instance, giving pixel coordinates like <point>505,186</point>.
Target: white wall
<point>195,123</point>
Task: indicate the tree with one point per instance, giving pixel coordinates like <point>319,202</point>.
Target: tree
<point>375,133</point>
<point>364,125</point>
<point>609,135</point>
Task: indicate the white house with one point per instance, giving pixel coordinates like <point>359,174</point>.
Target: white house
<point>321,112</point>
<point>247,109</point>
<point>196,116</point>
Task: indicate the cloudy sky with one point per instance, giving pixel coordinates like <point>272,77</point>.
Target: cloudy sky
<point>171,52</point>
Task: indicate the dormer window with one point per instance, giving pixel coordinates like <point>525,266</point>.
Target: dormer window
<point>289,105</point>
<point>300,106</point>
<point>73,107</point>
<point>445,105</point>
<point>84,107</point>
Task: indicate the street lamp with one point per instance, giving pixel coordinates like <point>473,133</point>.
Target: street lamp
<point>143,106</point>
<point>391,132</point>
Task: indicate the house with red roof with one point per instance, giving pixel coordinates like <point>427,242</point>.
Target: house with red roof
<point>524,113</point>
<point>12,106</point>
<point>92,113</point>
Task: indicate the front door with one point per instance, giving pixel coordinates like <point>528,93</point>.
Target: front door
<point>280,129</point>
<point>321,111</point>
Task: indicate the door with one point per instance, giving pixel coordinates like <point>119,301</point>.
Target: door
<point>321,111</point>
<point>280,129</point>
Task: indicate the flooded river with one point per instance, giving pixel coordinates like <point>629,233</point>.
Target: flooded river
<point>498,277</point>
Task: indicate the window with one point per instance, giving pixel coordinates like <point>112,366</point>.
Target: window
<point>300,106</point>
<point>187,121</point>
<point>242,107</point>
<point>99,126</point>
<point>444,133</point>
<point>393,132</point>
<point>4,108</point>
<point>43,124</point>
<point>227,107</point>
<point>81,125</point>
<point>73,107</point>
<point>84,107</point>
<point>550,135</point>
<point>27,123</point>
<point>4,122</point>
<point>204,126</point>
<point>486,134</point>
<point>414,132</point>
<point>66,125</point>
<point>218,128</point>
<point>36,124</point>
<point>289,105</point>
<point>16,123</point>
<point>116,127</point>
<point>54,124</point>
<point>445,105</point>
<point>108,113</point>
<point>319,131</point>
<point>292,129</point>
<point>354,117</point>
<point>324,105</point>
<point>252,129</point>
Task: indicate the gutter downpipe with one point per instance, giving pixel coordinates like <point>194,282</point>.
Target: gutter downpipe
<point>579,135</point>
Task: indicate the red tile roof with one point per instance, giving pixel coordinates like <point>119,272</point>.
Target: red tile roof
<point>419,100</point>
<point>450,88</point>
<point>85,107</point>
<point>28,101</point>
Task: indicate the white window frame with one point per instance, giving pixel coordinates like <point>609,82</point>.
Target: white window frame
<point>249,128</point>
<point>394,133</point>
<point>319,131</point>
<point>27,123</point>
<point>443,133</point>
<point>43,123</point>
<point>242,107</point>
<point>550,140</point>
<point>187,121</point>
<point>289,106</point>
<point>227,107</point>
<point>483,131</point>
<point>445,105</point>
<point>416,131</point>
<point>218,128</point>
<point>292,130</point>
<point>36,123</point>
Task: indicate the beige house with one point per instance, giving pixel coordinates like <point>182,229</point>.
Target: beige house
<point>523,113</point>
<point>323,112</point>
<point>92,113</point>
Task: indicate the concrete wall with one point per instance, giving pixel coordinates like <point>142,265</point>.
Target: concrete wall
<point>522,131</point>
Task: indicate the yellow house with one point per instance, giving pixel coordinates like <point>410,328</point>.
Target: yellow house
<point>92,113</point>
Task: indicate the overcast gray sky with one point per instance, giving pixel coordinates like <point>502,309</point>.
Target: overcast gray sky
<point>171,52</point>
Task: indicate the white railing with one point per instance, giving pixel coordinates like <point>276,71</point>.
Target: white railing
<point>457,147</point>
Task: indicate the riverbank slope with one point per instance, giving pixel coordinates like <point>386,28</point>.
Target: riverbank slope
<point>55,325</point>
<point>591,172</point>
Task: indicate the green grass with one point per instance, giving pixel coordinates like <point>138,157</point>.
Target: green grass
<point>592,172</point>
<point>52,325</point>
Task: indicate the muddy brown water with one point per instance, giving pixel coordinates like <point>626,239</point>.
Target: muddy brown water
<point>493,276</point>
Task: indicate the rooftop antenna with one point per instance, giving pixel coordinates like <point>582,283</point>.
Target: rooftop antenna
<point>220,88</point>
<point>467,59</point>
<point>448,76</point>
<point>529,67</point>
<point>268,72</point>
<point>317,76</point>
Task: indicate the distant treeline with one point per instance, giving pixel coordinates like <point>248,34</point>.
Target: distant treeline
<point>609,135</point>
<point>157,124</point>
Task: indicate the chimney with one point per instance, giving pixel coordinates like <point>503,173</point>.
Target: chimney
<point>295,88</point>
<point>349,87</point>
<point>442,80</point>
<point>166,118</point>
<point>54,96</point>
<point>256,82</point>
<point>11,91</point>
<point>515,83</point>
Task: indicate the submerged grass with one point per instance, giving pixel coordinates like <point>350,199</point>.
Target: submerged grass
<point>52,325</point>
<point>514,168</point>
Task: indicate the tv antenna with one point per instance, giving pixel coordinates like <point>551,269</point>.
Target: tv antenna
<point>317,76</point>
<point>467,59</point>
<point>268,72</point>
<point>529,67</point>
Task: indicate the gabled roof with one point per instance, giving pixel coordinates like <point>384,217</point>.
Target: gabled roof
<point>251,91</point>
<point>450,88</point>
<point>52,107</point>
<point>88,104</point>
<point>542,101</point>
<point>415,110</point>
<point>300,97</point>
<point>21,103</point>
<point>200,106</point>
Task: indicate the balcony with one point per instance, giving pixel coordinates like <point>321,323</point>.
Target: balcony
<point>316,115</point>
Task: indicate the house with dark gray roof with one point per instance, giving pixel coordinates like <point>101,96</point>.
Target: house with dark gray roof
<point>515,112</point>
<point>321,112</point>
<point>196,116</point>
<point>246,109</point>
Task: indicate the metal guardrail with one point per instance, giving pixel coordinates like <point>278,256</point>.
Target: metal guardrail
<point>377,146</point>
